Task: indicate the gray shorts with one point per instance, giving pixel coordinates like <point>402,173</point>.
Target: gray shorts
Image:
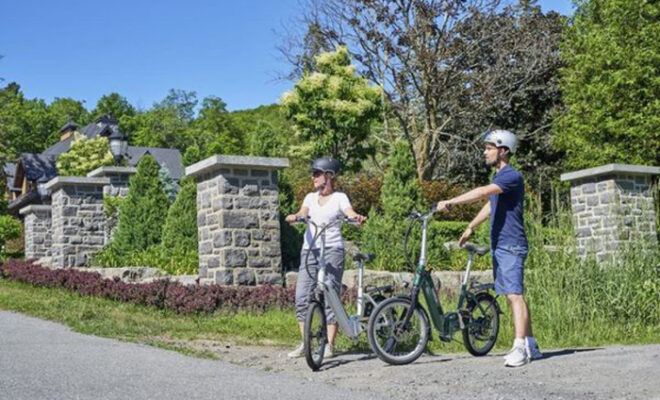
<point>334,270</point>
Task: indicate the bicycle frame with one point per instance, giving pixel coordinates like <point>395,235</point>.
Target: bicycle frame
<point>350,325</point>
<point>449,323</point>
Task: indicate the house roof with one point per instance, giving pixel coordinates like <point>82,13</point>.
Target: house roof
<point>10,172</point>
<point>69,125</point>
<point>168,158</point>
<point>38,167</point>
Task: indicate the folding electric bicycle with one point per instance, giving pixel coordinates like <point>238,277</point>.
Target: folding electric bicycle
<point>315,329</point>
<point>399,327</point>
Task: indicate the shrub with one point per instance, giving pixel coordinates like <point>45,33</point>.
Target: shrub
<point>142,213</point>
<point>163,294</point>
<point>85,156</point>
<point>10,228</point>
<point>181,224</point>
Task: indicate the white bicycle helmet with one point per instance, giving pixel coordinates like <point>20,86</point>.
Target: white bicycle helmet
<point>501,138</point>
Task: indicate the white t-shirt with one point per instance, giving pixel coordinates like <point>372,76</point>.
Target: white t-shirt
<point>323,214</point>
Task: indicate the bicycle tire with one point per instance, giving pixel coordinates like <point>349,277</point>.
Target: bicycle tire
<point>483,325</point>
<point>410,343</point>
<point>315,335</point>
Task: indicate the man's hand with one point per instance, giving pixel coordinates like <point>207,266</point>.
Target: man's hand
<point>464,238</point>
<point>291,218</point>
<point>444,206</point>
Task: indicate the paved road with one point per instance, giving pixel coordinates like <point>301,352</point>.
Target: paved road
<point>45,360</point>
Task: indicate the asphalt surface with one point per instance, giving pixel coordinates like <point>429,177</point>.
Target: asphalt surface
<point>45,360</point>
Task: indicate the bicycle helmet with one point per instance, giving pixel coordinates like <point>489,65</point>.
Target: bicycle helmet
<point>501,138</point>
<point>326,165</point>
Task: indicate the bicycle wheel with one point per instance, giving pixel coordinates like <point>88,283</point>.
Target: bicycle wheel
<point>390,340</point>
<point>482,324</point>
<point>315,335</point>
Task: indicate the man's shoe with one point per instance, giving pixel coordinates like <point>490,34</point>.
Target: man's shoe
<point>329,351</point>
<point>298,352</point>
<point>533,352</point>
<point>517,358</point>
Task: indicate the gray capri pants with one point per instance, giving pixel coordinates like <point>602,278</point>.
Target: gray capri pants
<point>334,258</point>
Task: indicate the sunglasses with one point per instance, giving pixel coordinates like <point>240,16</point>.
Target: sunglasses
<point>316,174</point>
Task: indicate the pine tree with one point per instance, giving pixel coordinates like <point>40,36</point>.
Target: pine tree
<point>143,212</point>
<point>401,192</point>
<point>180,229</point>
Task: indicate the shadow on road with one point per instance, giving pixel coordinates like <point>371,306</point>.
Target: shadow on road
<point>566,352</point>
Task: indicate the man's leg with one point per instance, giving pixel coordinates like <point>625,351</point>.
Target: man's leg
<point>520,314</point>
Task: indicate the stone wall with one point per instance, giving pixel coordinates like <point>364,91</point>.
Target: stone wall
<point>613,206</point>
<point>38,235</point>
<point>238,219</point>
<point>78,219</point>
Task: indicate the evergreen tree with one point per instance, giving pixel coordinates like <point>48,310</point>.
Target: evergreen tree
<point>180,229</point>
<point>610,84</point>
<point>143,212</point>
<point>401,191</point>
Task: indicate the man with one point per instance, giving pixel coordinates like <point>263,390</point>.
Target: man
<point>507,235</point>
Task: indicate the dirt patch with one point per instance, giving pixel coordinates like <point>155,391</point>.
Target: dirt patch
<point>629,372</point>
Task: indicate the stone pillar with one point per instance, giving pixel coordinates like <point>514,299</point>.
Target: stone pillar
<point>119,178</point>
<point>612,206</point>
<point>38,235</point>
<point>78,219</point>
<point>238,219</point>
<point>118,187</point>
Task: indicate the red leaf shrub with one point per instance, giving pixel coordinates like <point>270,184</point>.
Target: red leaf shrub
<point>161,294</point>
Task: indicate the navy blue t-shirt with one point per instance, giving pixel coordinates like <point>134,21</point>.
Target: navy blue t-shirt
<point>506,210</point>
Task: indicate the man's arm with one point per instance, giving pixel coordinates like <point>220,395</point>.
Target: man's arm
<point>483,215</point>
<point>473,195</point>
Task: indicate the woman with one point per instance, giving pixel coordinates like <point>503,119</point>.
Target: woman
<point>322,206</point>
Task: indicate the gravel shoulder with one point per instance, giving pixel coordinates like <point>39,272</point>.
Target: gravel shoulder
<point>615,372</point>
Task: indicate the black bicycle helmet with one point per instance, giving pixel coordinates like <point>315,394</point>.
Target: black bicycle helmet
<point>326,165</point>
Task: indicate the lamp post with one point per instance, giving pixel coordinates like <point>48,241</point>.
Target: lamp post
<point>118,144</point>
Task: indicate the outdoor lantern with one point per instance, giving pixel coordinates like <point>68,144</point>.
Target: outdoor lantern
<point>118,144</point>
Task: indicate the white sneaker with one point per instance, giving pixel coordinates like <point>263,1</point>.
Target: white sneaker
<point>298,352</point>
<point>329,351</point>
<point>533,351</point>
<point>517,358</point>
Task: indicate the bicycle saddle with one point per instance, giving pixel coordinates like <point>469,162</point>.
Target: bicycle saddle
<point>473,248</point>
<point>361,257</point>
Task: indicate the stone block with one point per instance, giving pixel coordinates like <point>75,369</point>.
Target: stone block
<point>240,220</point>
<point>244,276</point>
<point>222,238</point>
<point>259,263</point>
<point>234,258</point>
<point>241,238</point>
<point>223,276</point>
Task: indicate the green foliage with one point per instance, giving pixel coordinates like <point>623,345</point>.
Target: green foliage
<point>333,109</point>
<point>113,104</point>
<point>266,130</point>
<point>180,230</point>
<point>173,261</point>
<point>26,125</point>
<point>610,84</point>
<point>10,228</point>
<point>170,186</point>
<point>401,192</point>
<point>85,156</point>
<point>142,213</point>
<point>213,132</point>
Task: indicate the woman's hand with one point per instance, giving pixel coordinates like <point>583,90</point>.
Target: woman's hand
<point>360,219</point>
<point>291,218</point>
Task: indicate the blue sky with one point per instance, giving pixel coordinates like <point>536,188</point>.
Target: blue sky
<point>141,49</point>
